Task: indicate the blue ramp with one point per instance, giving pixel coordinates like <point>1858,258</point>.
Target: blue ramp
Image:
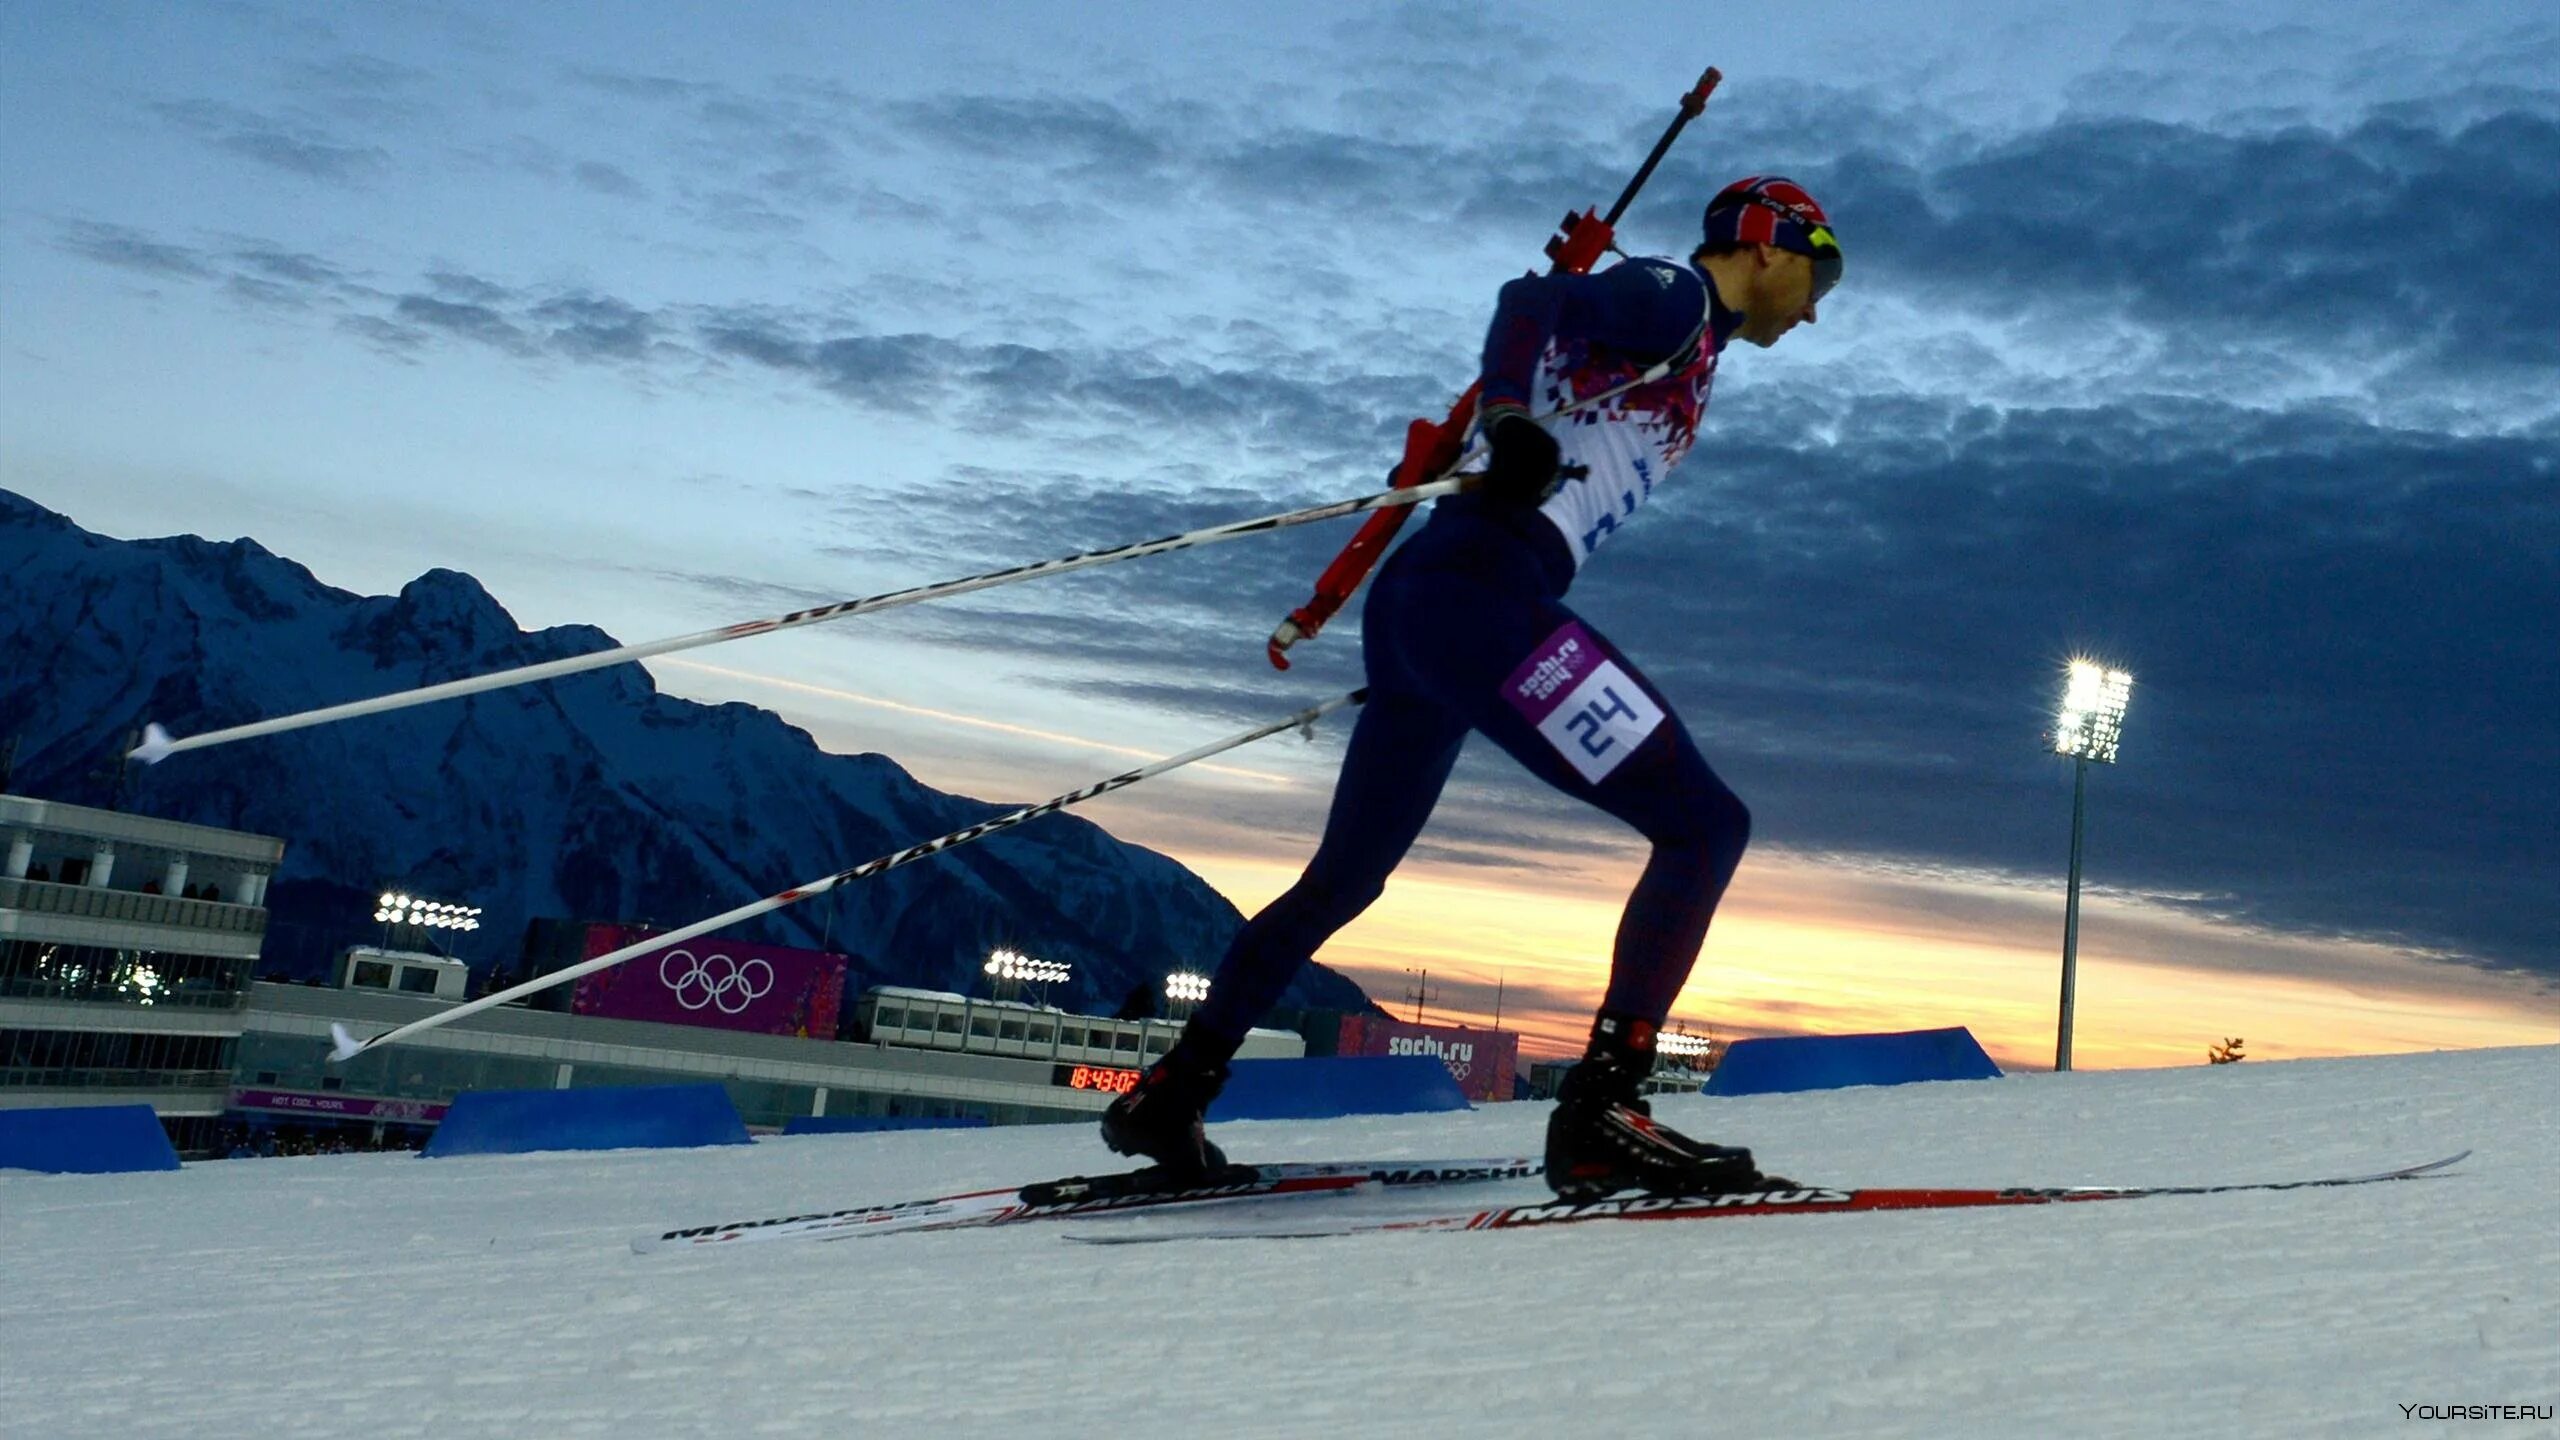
<point>1323,1087</point>
<point>604,1117</point>
<point>85,1140</point>
<point>1785,1063</point>
<point>866,1124</point>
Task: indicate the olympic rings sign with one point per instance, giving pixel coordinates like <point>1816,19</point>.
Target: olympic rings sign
<point>702,982</point>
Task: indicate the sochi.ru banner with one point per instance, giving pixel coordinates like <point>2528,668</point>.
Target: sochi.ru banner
<point>730,984</point>
<point>1482,1060</point>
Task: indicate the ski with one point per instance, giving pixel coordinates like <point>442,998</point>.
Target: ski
<point>1081,1196</point>
<point>1811,1200</point>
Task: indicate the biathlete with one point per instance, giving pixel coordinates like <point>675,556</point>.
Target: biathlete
<point>1466,629</point>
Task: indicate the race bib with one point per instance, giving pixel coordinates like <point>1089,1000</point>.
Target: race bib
<point>1591,711</point>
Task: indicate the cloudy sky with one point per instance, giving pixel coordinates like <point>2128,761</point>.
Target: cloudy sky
<point>2218,344</point>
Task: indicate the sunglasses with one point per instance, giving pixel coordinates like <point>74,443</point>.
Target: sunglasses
<point>1824,249</point>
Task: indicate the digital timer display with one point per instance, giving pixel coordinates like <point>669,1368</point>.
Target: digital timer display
<point>1096,1077</point>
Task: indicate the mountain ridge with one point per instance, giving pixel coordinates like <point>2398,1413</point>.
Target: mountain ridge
<point>594,796</point>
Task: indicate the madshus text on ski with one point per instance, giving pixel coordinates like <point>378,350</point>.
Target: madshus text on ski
<point>1146,1198</point>
<point>1591,386</point>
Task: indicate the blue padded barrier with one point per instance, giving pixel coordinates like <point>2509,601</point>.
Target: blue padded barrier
<point>603,1117</point>
<point>865,1124</point>
<point>1783,1063</point>
<point>85,1140</point>
<point>1323,1087</point>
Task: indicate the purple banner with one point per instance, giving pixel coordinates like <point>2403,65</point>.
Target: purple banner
<point>346,1107</point>
<point>726,984</point>
<point>1481,1061</point>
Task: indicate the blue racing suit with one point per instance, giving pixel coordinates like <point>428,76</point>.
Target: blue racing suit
<point>1466,629</point>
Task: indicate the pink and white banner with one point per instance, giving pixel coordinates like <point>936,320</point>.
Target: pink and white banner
<point>345,1107</point>
<point>726,984</point>
<point>1482,1061</point>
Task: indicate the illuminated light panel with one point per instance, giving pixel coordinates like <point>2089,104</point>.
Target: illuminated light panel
<point>2090,721</point>
<point>1014,965</point>
<point>1681,1045</point>
<point>395,908</point>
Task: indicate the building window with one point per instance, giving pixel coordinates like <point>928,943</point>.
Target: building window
<point>417,980</point>
<point>44,970</point>
<point>101,1058</point>
<point>373,974</point>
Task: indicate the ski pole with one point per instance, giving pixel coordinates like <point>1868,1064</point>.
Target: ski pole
<point>157,744</point>
<point>347,1046</point>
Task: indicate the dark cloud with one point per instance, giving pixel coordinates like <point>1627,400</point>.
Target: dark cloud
<point>2400,237</point>
<point>657,89</point>
<point>468,321</point>
<point>131,250</point>
<point>300,148</point>
<point>1004,389</point>
<point>289,267</point>
<point>470,289</point>
<point>607,179</point>
<point>1084,137</point>
<point>595,327</point>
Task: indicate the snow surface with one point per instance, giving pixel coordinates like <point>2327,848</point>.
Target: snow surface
<point>383,1295</point>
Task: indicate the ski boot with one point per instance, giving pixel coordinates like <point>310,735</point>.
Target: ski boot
<point>1160,1117</point>
<point>1603,1138</point>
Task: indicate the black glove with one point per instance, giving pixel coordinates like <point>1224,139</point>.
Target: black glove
<point>1523,469</point>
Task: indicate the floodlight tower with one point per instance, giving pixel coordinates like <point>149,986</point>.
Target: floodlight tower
<point>2086,728</point>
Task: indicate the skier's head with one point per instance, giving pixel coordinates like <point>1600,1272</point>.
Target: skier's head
<point>1771,250</point>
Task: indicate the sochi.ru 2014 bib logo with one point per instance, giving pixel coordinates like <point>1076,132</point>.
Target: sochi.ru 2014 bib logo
<point>702,982</point>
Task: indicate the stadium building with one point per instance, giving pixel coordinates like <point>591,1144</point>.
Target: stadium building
<point>128,946</point>
<point>917,1057</point>
<point>126,949</point>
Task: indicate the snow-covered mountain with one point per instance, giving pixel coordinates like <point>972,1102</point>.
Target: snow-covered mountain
<point>593,797</point>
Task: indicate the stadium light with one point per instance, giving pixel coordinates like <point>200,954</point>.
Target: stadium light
<point>2091,719</point>
<point>2086,727</point>
<point>1681,1045</point>
<point>1184,990</point>
<point>1013,965</point>
<point>397,908</point>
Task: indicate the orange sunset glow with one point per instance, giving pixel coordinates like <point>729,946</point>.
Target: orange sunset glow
<point>1803,943</point>
<point>1806,945</point>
